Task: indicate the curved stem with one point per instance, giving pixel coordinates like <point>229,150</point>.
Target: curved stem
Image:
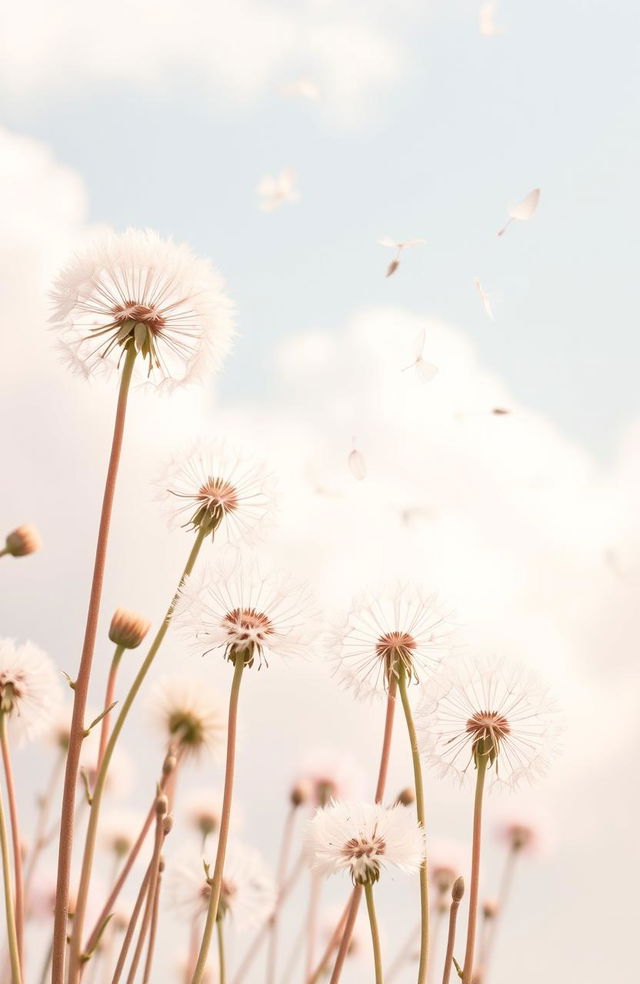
<point>481,771</point>
<point>108,701</point>
<point>222,966</point>
<point>223,835</point>
<point>81,686</point>
<point>12,936</point>
<point>285,848</point>
<point>15,837</point>
<point>375,935</point>
<point>92,827</point>
<point>421,814</point>
<point>451,940</point>
<point>133,921</point>
<point>153,928</point>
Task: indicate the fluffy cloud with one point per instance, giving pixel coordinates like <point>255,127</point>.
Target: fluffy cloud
<point>239,50</point>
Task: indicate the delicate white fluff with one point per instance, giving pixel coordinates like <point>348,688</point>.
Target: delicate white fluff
<point>363,838</point>
<point>213,484</point>
<point>190,714</point>
<point>248,892</point>
<point>30,688</point>
<point>403,626</point>
<point>137,278</point>
<point>243,608</point>
<point>119,830</point>
<point>330,774</point>
<point>495,699</point>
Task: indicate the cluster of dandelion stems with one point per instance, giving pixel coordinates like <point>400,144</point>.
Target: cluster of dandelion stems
<point>75,945</point>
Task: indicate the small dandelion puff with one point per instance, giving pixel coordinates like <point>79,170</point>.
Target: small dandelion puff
<point>363,838</point>
<point>357,464</point>
<point>523,211</point>
<point>403,628</point>
<point>524,832</point>
<point>204,811</point>
<point>424,371</point>
<point>330,774</point>
<point>30,690</point>
<point>215,488</point>
<point>249,614</point>
<point>22,541</point>
<point>303,89</point>
<point>119,831</point>
<point>190,715</point>
<point>139,290</point>
<point>486,20</point>
<point>488,709</point>
<point>398,246</point>
<point>484,297</point>
<point>279,190</point>
<point>248,892</point>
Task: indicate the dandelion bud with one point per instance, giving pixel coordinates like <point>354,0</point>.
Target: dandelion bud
<point>22,541</point>
<point>167,824</point>
<point>162,805</point>
<point>169,764</point>
<point>490,908</point>
<point>128,629</point>
<point>301,793</point>
<point>457,891</point>
<point>407,797</point>
<point>161,865</point>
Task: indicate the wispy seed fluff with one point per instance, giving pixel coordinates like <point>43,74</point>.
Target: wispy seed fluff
<point>401,629</point>
<point>215,489</point>
<point>136,289</point>
<point>190,715</point>
<point>30,690</point>
<point>247,613</point>
<point>363,838</point>
<point>488,709</point>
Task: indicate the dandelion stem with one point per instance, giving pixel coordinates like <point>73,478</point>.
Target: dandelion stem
<point>12,936</point>
<point>153,931</point>
<point>451,939</point>
<point>312,921</point>
<point>421,814</point>
<point>487,949</point>
<point>353,905</point>
<point>482,761</point>
<point>81,685</point>
<point>40,838</point>
<point>108,701</point>
<point>92,827</point>
<point>375,935</point>
<point>133,921</point>
<point>223,835</point>
<point>15,836</point>
<point>222,975</point>
<point>285,849</point>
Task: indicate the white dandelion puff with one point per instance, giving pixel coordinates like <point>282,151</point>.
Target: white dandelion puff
<point>330,774</point>
<point>403,628</point>
<point>215,488</point>
<point>30,689</point>
<point>190,714</point>
<point>247,612</point>
<point>138,289</point>
<point>488,708</point>
<point>364,838</point>
<point>278,190</point>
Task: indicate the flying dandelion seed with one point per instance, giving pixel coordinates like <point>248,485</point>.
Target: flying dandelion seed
<point>276,191</point>
<point>486,300</point>
<point>398,246</point>
<point>523,211</point>
<point>424,371</point>
<point>357,464</point>
<point>486,20</point>
<point>303,89</point>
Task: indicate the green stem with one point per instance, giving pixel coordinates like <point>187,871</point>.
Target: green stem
<point>92,827</point>
<point>12,936</point>
<point>222,975</point>
<point>421,814</point>
<point>81,685</point>
<point>375,935</point>
<point>223,835</point>
<point>482,762</point>
<point>108,701</point>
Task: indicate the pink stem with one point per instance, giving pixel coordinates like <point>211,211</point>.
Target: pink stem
<point>16,839</point>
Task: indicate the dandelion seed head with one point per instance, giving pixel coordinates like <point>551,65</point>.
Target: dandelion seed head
<point>190,715</point>
<point>30,691</point>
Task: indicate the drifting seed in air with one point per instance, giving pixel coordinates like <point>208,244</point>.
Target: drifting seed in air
<point>486,300</point>
<point>424,371</point>
<point>486,20</point>
<point>357,464</point>
<point>523,211</point>
<point>303,88</point>
<point>275,191</point>
<point>399,246</point>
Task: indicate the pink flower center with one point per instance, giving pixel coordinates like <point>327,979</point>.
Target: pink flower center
<point>140,314</point>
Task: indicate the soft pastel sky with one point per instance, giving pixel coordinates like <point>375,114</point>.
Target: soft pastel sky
<point>167,114</point>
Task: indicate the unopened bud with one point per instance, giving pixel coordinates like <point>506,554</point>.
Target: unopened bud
<point>407,797</point>
<point>22,541</point>
<point>457,891</point>
<point>161,865</point>
<point>162,805</point>
<point>167,824</point>
<point>490,908</point>
<point>301,793</point>
<point>128,629</point>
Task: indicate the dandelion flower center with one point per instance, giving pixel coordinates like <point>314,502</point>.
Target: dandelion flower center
<point>396,649</point>
<point>143,314</point>
<point>219,492</point>
<point>357,848</point>
<point>488,729</point>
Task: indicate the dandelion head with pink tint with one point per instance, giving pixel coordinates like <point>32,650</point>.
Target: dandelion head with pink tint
<point>488,711</point>
<point>447,861</point>
<point>190,715</point>
<point>119,831</point>
<point>248,893</point>
<point>403,630</point>
<point>245,613</point>
<point>30,690</point>
<point>136,290</point>
<point>525,831</point>
<point>330,774</point>
<point>204,811</point>
<point>364,838</point>
<point>213,488</point>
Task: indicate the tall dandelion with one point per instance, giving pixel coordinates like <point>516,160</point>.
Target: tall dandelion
<point>246,616</point>
<point>492,719</point>
<point>130,298</point>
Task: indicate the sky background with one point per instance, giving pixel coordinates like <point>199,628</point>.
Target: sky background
<point>168,115</point>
